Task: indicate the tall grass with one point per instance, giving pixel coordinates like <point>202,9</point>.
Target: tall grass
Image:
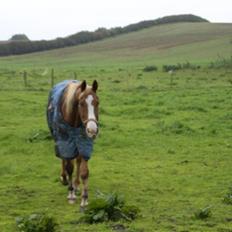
<point>221,63</point>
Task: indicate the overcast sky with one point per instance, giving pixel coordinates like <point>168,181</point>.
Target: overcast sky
<point>48,19</point>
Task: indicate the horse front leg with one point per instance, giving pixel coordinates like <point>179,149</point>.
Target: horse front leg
<point>84,174</point>
<point>71,192</point>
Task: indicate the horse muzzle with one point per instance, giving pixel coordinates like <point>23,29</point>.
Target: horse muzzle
<point>91,133</point>
<point>92,129</point>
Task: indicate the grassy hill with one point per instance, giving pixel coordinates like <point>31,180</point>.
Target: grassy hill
<point>16,47</point>
<point>195,42</point>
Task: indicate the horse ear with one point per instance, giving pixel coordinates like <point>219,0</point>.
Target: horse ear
<point>83,86</point>
<point>94,86</point>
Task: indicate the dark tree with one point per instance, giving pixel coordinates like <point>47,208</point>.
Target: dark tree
<point>19,37</point>
<point>20,44</point>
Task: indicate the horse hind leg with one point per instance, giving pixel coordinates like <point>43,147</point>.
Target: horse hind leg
<point>76,183</point>
<point>84,174</point>
<point>63,175</point>
<point>71,192</point>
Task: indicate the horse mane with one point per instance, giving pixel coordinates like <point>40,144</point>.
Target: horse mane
<point>69,104</point>
<point>69,98</point>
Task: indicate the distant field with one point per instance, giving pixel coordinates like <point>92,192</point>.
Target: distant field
<point>195,42</point>
<point>165,140</point>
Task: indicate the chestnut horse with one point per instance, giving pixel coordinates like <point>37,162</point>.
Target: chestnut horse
<point>72,116</point>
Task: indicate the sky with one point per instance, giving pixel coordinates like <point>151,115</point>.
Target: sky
<point>49,19</point>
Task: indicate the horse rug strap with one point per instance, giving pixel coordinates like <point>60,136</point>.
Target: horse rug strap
<point>69,141</point>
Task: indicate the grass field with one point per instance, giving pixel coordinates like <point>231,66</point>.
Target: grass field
<point>165,141</point>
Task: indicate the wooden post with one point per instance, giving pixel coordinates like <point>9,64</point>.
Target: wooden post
<point>52,77</point>
<point>25,78</point>
<point>128,79</point>
<point>75,75</point>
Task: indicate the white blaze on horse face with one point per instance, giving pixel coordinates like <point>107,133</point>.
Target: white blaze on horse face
<point>91,125</point>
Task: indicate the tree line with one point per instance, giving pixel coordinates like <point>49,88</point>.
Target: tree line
<point>14,47</point>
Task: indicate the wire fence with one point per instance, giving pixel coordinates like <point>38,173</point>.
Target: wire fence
<point>35,80</point>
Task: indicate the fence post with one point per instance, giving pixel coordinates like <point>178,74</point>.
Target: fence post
<point>25,78</point>
<point>52,77</point>
<point>128,79</point>
<point>75,75</point>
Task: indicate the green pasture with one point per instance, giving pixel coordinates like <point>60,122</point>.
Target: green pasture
<point>164,143</point>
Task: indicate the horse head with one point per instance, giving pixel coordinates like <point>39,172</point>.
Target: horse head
<point>88,108</point>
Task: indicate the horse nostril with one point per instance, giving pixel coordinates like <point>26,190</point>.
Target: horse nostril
<point>89,131</point>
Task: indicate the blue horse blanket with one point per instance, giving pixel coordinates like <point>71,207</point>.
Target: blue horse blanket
<point>69,141</point>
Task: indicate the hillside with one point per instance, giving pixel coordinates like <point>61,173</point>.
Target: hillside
<point>196,42</point>
<point>19,46</point>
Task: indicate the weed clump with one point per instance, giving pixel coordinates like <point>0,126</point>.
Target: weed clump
<point>116,81</point>
<point>150,68</point>
<point>109,207</point>
<point>179,128</point>
<point>40,222</point>
<point>228,197</point>
<point>203,213</point>
<point>175,67</point>
<point>221,62</point>
<point>175,128</point>
<point>39,135</point>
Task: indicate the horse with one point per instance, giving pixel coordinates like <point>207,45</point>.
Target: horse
<point>72,117</point>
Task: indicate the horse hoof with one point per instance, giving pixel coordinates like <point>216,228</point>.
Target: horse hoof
<point>71,197</point>
<point>84,203</point>
<point>71,201</point>
<point>63,180</point>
